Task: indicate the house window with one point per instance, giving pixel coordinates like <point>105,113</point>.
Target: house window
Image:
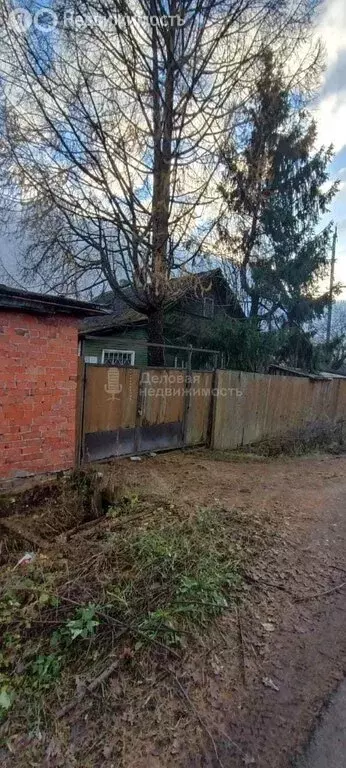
<point>118,357</point>
<point>91,359</point>
<point>208,307</point>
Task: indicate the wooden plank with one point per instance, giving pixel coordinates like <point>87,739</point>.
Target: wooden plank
<point>197,417</point>
<point>162,396</point>
<point>340,410</point>
<point>255,408</point>
<point>229,409</point>
<point>110,398</point>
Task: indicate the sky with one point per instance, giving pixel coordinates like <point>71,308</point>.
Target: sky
<point>331,116</point>
<point>330,113</point>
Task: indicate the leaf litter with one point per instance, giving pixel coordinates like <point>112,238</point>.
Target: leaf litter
<point>141,588</point>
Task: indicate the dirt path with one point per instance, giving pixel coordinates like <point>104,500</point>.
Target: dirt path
<point>304,658</point>
<point>250,692</point>
<point>327,748</point>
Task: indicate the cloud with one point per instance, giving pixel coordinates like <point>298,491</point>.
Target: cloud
<point>330,112</point>
<point>330,115</point>
<point>335,80</point>
<point>331,28</point>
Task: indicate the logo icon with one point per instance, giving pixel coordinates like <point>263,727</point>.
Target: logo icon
<point>113,386</point>
<point>20,20</point>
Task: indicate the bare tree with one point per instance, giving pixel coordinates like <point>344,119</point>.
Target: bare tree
<point>113,121</point>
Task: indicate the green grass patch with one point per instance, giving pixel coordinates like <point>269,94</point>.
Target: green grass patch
<point>180,578</point>
<point>160,581</point>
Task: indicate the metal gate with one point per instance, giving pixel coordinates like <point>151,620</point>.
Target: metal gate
<point>134,410</point>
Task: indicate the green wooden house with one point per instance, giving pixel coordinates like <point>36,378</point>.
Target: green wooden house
<point>121,337</point>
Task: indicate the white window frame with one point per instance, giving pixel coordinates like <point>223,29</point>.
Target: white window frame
<point>119,352</point>
<point>211,301</point>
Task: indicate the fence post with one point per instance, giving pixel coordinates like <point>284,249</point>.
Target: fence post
<point>212,409</point>
<point>187,396</point>
<point>139,411</point>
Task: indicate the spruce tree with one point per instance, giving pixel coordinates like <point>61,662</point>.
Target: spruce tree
<point>275,193</point>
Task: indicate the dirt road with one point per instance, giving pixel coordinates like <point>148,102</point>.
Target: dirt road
<point>251,690</point>
<point>298,593</point>
<point>327,748</point>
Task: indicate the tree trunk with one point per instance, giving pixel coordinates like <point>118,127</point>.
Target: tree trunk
<point>163,131</point>
<point>156,355</point>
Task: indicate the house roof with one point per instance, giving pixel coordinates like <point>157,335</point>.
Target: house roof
<point>123,315</point>
<point>45,304</point>
<point>194,282</point>
<point>113,320</point>
<point>285,370</point>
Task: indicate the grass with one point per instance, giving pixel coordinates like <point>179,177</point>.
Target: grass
<point>149,578</point>
<point>159,584</point>
<point>180,577</point>
<point>325,436</point>
<point>314,437</point>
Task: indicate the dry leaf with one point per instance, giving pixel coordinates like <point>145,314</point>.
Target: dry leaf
<point>268,626</point>
<point>267,681</point>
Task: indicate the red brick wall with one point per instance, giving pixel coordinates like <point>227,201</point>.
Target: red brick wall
<point>38,374</point>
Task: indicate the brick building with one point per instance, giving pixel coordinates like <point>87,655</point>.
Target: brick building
<point>38,379</point>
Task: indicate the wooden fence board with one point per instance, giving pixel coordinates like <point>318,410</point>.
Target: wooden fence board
<point>197,414</point>
<point>227,423</point>
<point>272,405</point>
<point>162,396</point>
<point>110,398</point>
<point>340,410</point>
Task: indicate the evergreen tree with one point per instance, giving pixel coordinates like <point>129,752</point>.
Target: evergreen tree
<point>275,194</point>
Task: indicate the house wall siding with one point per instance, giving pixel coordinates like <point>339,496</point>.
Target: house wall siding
<point>131,341</point>
<point>38,382</point>
<point>195,308</point>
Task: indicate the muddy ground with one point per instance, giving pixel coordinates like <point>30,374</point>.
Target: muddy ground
<point>252,695</point>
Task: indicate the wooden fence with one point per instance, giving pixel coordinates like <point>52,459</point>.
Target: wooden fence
<point>132,410</point>
<point>124,411</point>
<point>252,406</point>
